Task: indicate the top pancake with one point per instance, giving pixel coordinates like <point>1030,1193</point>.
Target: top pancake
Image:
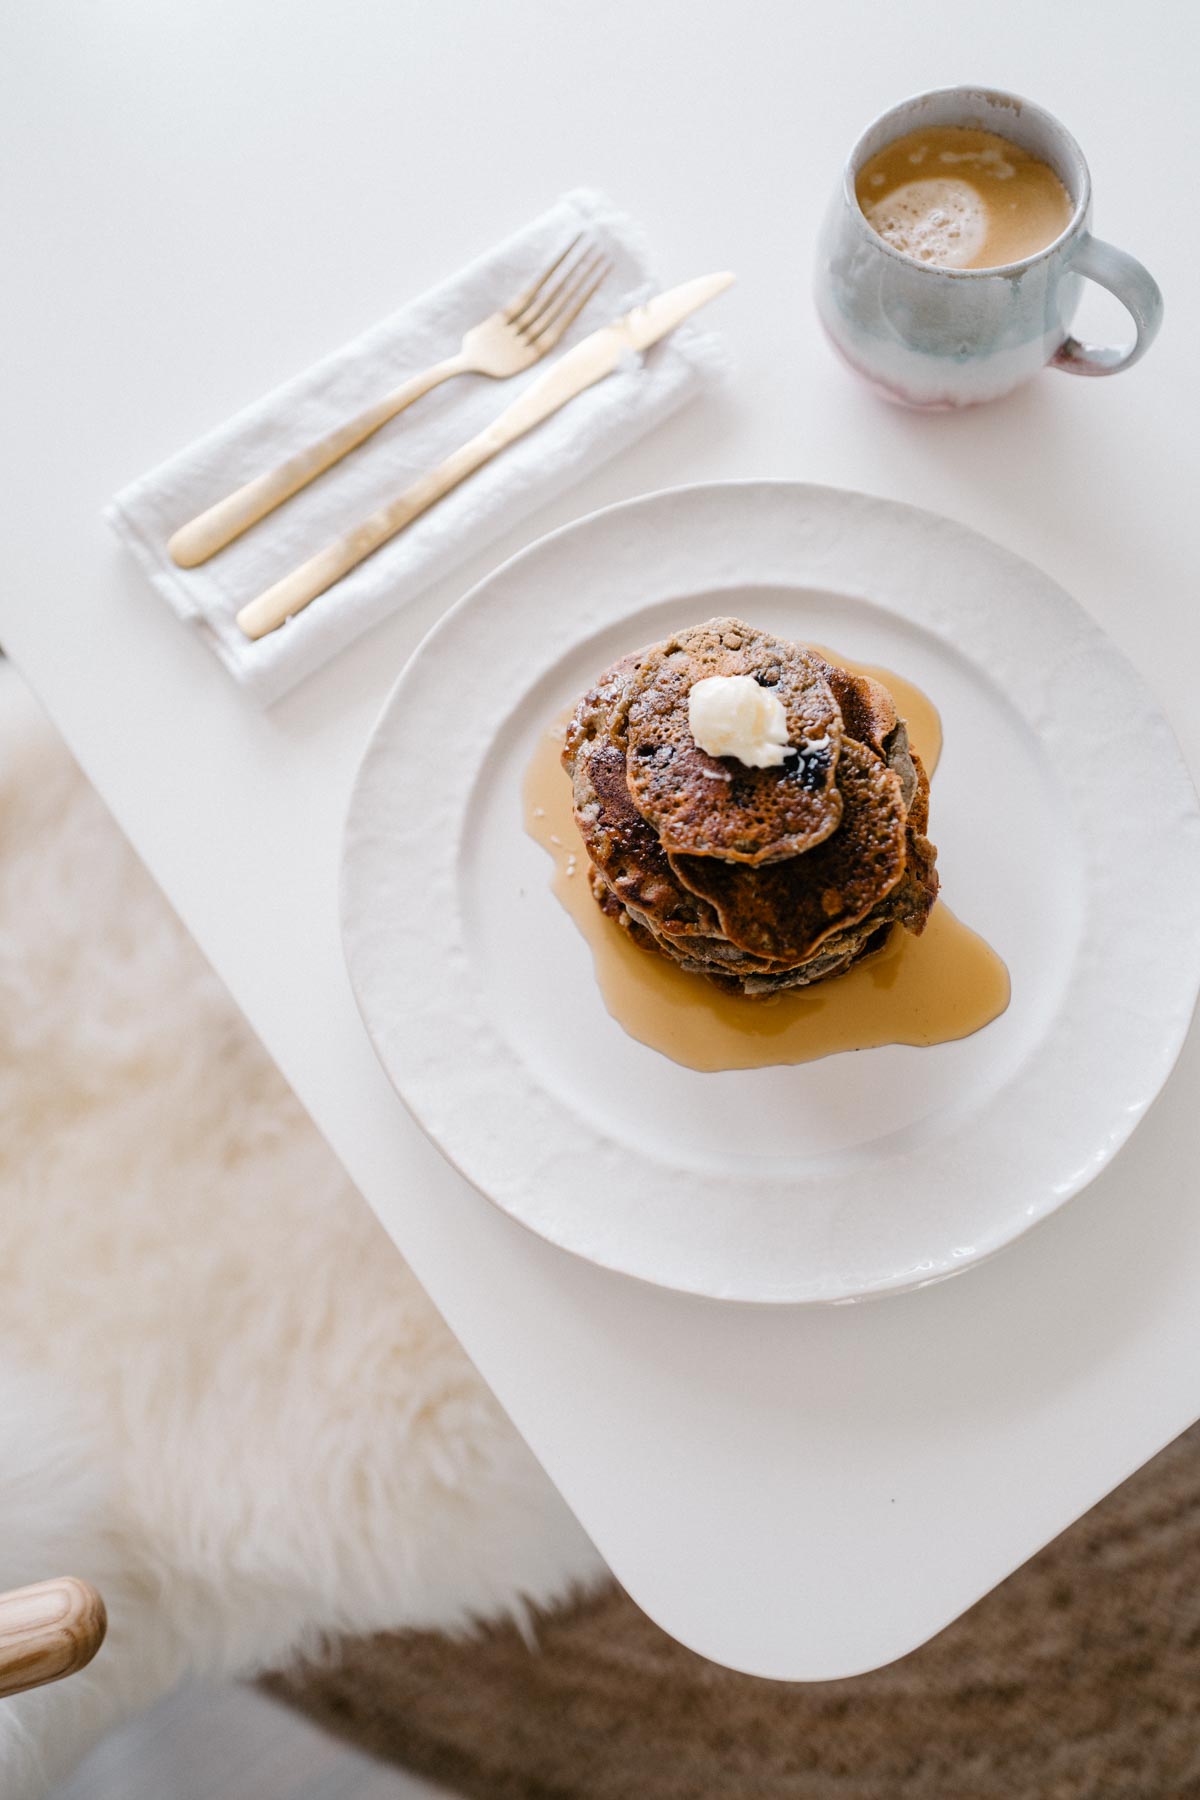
<point>709,806</point>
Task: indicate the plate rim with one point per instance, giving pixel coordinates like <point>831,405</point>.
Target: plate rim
<point>1173,1029</point>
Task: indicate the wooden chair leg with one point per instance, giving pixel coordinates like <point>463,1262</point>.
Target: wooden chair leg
<point>48,1631</point>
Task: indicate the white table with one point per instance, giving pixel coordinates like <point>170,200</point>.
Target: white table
<point>214,194</point>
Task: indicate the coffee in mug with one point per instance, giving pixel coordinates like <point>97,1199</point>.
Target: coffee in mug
<point>962,198</point>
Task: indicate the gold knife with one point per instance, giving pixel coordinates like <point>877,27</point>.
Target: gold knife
<point>589,362</point>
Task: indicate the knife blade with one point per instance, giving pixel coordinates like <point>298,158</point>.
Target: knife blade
<point>579,369</point>
<point>598,355</point>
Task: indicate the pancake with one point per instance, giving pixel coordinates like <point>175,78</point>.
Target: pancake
<point>593,716</point>
<point>744,978</point>
<point>868,710</point>
<point>785,910</point>
<point>703,805</point>
<point>869,715</point>
<point>819,968</point>
<point>917,801</point>
<point>908,905</point>
<point>625,848</point>
<point>614,909</point>
<point>620,842</point>
<point>700,950</point>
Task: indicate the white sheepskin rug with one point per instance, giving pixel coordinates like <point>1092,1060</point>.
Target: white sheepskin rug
<point>223,1397</point>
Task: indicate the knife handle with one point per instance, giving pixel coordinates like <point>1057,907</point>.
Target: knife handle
<point>303,585</point>
<point>588,362</point>
<point>212,530</point>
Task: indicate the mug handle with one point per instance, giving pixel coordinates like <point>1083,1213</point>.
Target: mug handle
<point>1138,293</point>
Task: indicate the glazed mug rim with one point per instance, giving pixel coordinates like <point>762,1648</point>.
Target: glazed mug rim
<point>1080,189</point>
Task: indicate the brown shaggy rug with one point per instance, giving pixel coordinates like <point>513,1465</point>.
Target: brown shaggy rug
<point>1079,1679</point>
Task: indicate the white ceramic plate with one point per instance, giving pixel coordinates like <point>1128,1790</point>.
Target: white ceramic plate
<point>1068,834</point>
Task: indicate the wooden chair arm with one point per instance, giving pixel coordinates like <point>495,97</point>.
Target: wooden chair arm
<point>47,1631</point>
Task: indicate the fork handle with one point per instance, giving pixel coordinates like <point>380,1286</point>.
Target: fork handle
<point>212,530</point>
<point>311,579</point>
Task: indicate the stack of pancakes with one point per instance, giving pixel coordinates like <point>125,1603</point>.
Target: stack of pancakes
<point>759,879</point>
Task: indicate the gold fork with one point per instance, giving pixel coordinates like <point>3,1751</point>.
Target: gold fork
<point>504,344</point>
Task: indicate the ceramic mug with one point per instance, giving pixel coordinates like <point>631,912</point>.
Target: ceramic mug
<point>936,337</point>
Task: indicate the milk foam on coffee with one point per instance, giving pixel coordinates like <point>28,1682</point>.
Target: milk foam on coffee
<point>961,198</point>
<point>938,220</point>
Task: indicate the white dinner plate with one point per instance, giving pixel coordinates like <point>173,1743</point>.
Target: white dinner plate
<point>1068,834</point>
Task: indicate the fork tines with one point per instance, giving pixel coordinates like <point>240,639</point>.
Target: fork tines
<point>541,314</point>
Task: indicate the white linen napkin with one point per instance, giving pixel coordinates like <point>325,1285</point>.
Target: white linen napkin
<point>595,426</point>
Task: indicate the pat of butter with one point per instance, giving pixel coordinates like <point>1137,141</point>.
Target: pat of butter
<point>730,715</point>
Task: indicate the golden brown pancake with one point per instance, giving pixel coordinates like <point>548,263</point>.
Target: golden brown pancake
<point>625,848</point>
<point>746,977</point>
<point>785,910</point>
<point>868,710</point>
<point>699,949</point>
<point>593,716</point>
<point>620,842</point>
<point>703,805</point>
<point>614,909</point>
